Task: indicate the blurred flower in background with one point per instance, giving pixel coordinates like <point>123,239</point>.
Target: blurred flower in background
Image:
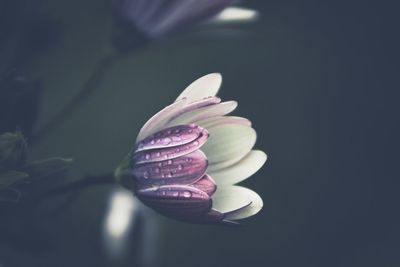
<point>158,18</point>
<point>189,155</point>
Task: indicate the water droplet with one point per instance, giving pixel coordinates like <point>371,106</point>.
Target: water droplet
<point>177,131</point>
<point>157,170</point>
<point>158,140</point>
<point>152,142</point>
<point>190,131</point>
<point>169,175</point>
<point>188,159</point>
<point>186,194</point>
<point>175,194</point>
<point>169,162</point>
<point>160,164</point>
<point>167,141</point>
<point>158,154</point>
<point>163,193</point>
<point>147,156</point>
<point>146,174</point>
<point>169,132</point>
<point>180,167</point>
<point>162,175</point>
<point>177,150</point>
<point>196,143</point>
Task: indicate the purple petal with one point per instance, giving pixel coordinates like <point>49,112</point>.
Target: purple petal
<point>181,171</point>
<point>161,154</point>
<point>170,137</point>
<point>206,184</point>
<point>176,201</point>
<point>159,120</point>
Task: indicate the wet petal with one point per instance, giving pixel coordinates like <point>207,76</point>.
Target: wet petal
<point>161,154</point>
<point>220,109</point>
<point>205,86</point>
<point>178,202</point>
<point>206,184</point>
<point>230,142</point>
<point>182,170</point>
<point>170,137</point>
<point>246,167</point>
<point>159,120</point>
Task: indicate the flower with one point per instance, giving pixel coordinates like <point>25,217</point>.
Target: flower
<point>158,18</point>
<point>188,157</point>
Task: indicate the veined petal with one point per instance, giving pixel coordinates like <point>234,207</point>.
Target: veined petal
<point>238,172</point>
<point>214,121</point>
<point>183,170</point>
<point>159,120</point>
<point>216,110</point>
<point>237,202</point>
<point>206,184</point>
<point>176,201</point>
<point>170,137</point>
<point>161,154</point>
<point>230,142</point>
<point>205,86</point>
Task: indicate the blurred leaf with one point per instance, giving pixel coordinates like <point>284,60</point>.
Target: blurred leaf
<point>47,167</point>
<point>9,178</point>
<point>13,150</point>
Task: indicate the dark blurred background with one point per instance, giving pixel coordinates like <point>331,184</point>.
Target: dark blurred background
<point>319,80</point>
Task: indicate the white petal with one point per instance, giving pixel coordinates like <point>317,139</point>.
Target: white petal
<point>210,122</point>
<point>230,142</point>
<point>158,121</point>
<point>235,14</point>
<point>246,167</point>
<point>242,194</point>
<point>225,200</point>
<point>202,113</point>
<point>205,86</point>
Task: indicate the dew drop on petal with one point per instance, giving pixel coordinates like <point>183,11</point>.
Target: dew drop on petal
<point>167,141</point>
<point>186,194</point>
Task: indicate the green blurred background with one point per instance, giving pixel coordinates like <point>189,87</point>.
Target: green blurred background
<point>317,81</point>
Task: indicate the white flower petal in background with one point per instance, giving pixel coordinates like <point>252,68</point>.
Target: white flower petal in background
<point>229,142</point>
<point>235,15</point>
<point>214,121</point>
<point>159,18</point>
<point>245,168</point>
<point>203,87</point>
<point>242,194</point>
<point>202,113</point>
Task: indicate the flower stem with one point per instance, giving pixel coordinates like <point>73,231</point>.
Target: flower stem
<point>82,184</point>
<point>90,85</point>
